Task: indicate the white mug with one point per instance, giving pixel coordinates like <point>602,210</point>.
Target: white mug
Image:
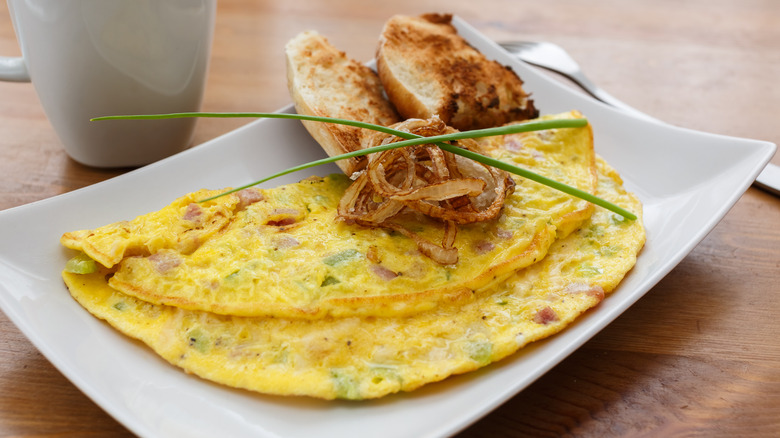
<point>90,58</point>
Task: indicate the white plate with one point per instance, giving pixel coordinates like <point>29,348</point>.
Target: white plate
<point>687,181</point>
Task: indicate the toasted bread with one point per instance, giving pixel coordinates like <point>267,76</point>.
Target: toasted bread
<point>323,81</point>
<point>428,69</point>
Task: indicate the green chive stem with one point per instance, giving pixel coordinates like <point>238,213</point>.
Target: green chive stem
<point>411,139</point>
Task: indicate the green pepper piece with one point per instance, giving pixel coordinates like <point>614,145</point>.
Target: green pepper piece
<point>81,264</point>
<point>340,257</point>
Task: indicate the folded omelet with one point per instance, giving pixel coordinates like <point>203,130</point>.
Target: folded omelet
<point>368,357</point>
<point>283,251</point>
<point>271,290</point>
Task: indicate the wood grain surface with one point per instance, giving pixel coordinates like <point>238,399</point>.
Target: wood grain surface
<point>699,355</point>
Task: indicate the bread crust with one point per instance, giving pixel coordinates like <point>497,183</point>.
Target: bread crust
<point>323,81</point>
<point>428,69</point>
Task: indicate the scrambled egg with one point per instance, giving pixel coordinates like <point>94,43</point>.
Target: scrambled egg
<point>367,357</point>
<point>283,252</point>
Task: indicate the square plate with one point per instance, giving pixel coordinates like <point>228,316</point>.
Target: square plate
<point>687,181</point>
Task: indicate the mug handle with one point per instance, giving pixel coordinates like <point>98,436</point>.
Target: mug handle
<point>13,69</point>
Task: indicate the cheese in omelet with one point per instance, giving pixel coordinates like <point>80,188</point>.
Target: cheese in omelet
<point>283,251</point>
<point>368,357</point>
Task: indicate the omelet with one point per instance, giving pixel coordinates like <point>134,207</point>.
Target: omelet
<point>283,252</point>
<point>368,357</point>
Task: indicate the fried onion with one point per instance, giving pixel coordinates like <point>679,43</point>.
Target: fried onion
<point>428,180</point>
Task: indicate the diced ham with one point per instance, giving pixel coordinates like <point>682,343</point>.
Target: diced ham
<point>285,241</point>
<point>283,217</point>
<point>281,222</point>
<point>545,316</point>
<point>512,143</point>
<point>583,288</point>
<point>164,262</point>
<point>248,197</point>
<point>504,234</point>
<point>285,211</point>
<point>538,156</point>
<point>193,213</point>
<point>483,246</point>
<point>383,273</point>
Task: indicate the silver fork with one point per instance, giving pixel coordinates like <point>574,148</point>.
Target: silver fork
<point>554,58</point>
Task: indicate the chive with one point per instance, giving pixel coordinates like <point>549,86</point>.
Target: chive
<point>198,340</point>
<point>412,139</point>
<point>81,264</point>
<point>480,351</point>
<point>344,385</point>
<point>340,257</point>
<point>329,281</point>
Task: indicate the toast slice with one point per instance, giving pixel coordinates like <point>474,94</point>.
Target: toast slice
<point>428,69</point>
<point>323,81</point>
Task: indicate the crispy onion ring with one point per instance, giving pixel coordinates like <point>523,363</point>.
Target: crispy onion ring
<point>428,180</point>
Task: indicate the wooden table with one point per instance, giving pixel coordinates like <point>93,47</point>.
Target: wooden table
<point>698,355</point>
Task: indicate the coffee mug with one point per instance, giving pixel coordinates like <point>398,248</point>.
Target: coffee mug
<point>90,58</point>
